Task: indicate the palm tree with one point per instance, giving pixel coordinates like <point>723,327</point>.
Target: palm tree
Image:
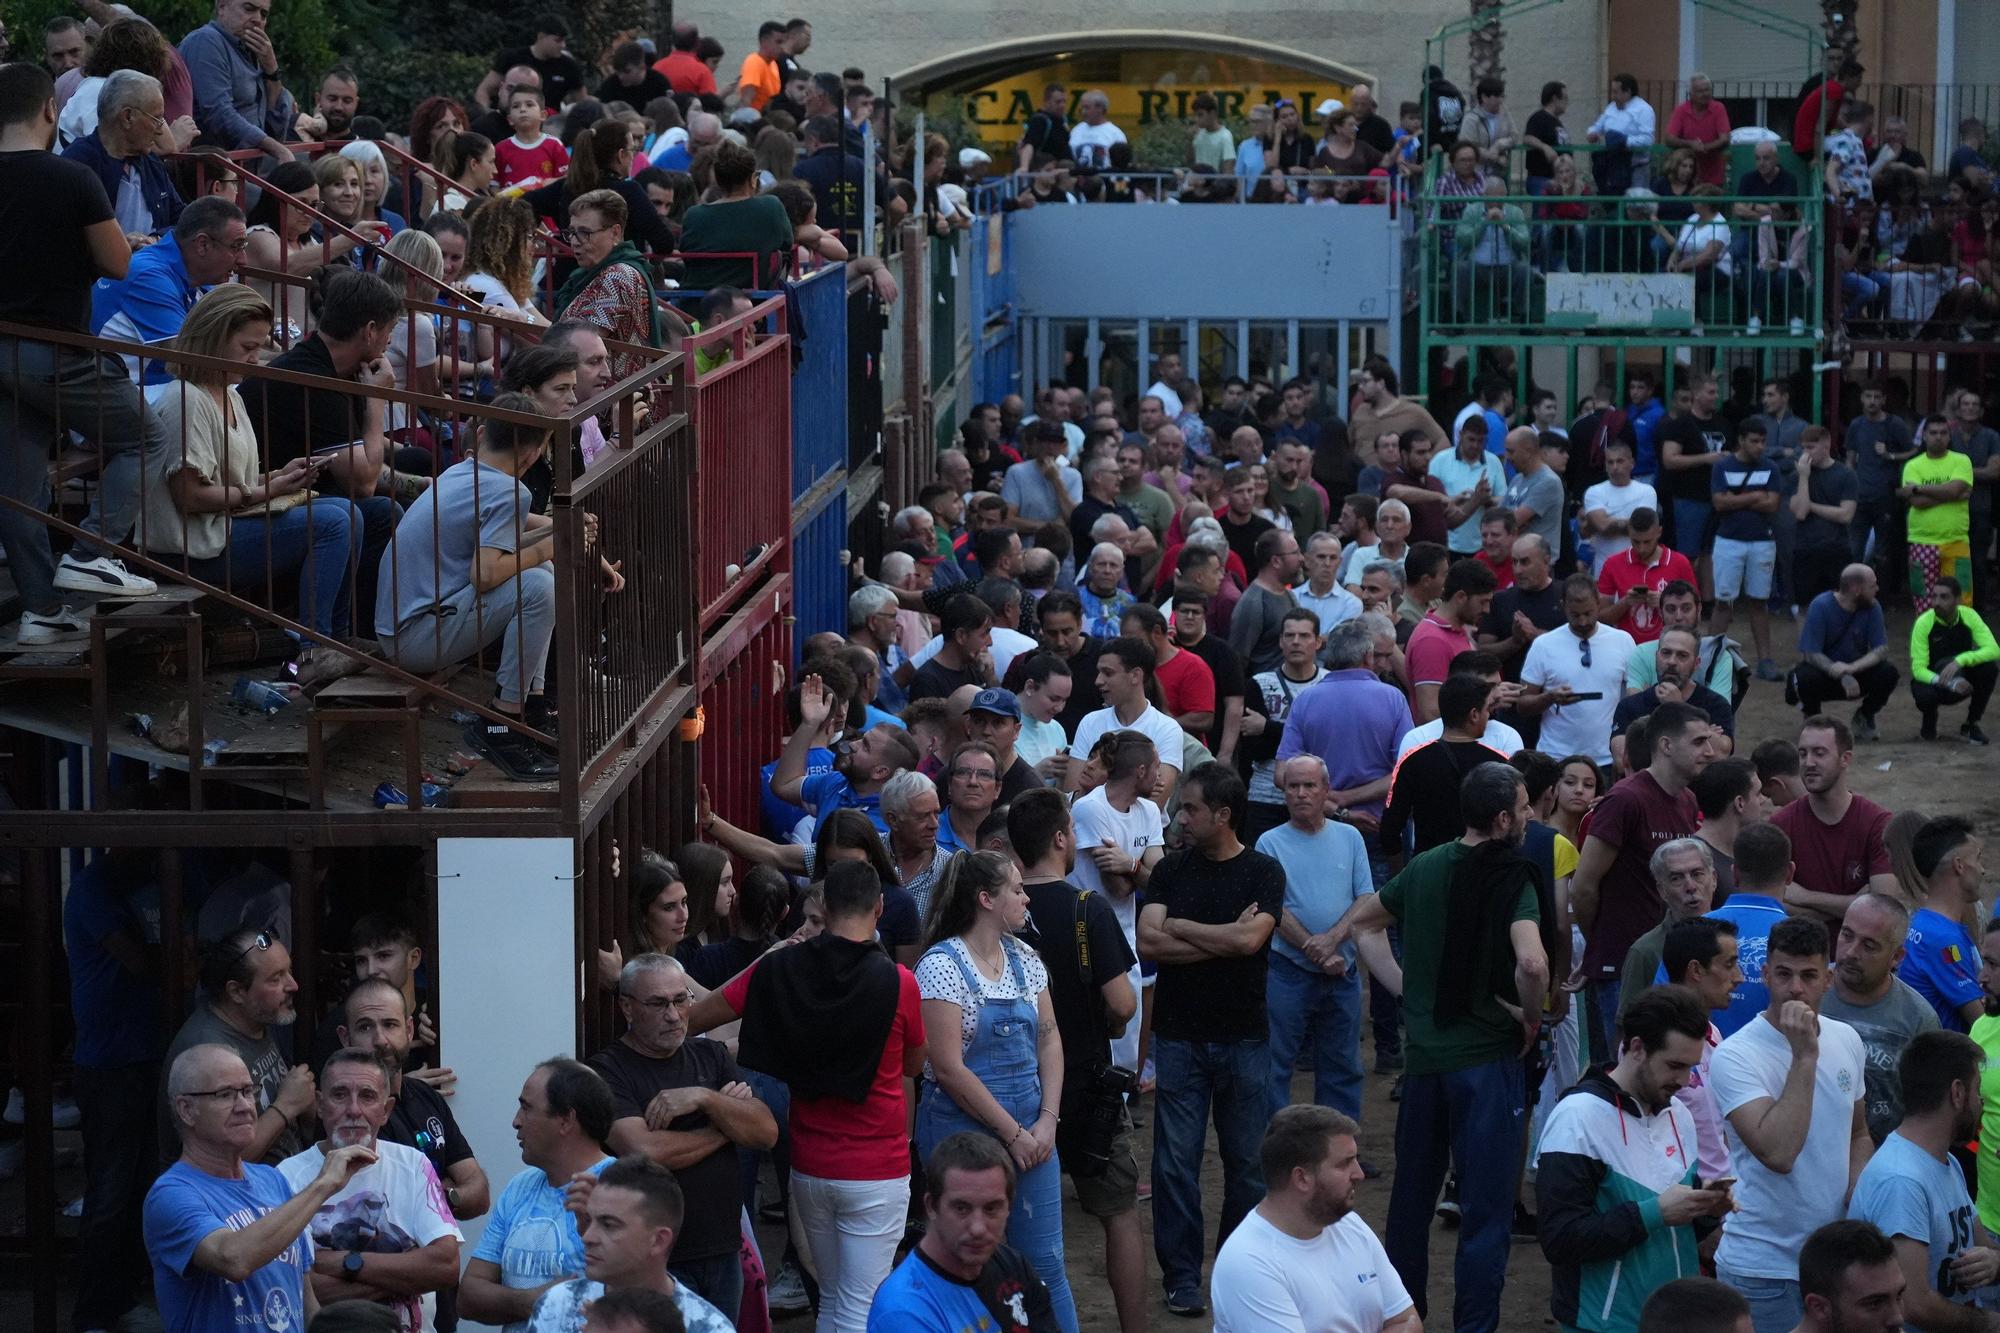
<point>1486,40</point>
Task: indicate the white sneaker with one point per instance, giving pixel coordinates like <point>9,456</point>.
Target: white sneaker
<point>59,626</point>
<point>66,1114</point>
<point>102,574</point>
<point>786,1293</point>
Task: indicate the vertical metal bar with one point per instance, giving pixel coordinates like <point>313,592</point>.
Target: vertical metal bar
<point>305,928</point>
<point>1340,373</point>
<point>40,891</point>
<point>1243,349</point>
<point>1291,348</point>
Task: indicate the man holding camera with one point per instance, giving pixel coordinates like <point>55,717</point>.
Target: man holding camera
<point>1083,946</point>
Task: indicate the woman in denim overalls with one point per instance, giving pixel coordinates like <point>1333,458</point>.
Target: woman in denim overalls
<point>1006,1079</point>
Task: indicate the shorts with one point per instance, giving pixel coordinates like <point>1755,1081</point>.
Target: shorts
<point>1117,1190</point>
<point>1743,569</point>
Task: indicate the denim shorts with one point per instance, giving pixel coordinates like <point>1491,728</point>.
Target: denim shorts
<point>1743,569</point>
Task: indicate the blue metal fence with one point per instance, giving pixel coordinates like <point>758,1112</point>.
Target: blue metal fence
<point>819,451</point>
<point>996,369</point>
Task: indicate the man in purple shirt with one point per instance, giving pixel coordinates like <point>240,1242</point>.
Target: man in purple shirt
<point>1353,722</point>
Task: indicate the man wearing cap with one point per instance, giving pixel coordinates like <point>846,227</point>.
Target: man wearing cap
<point>995,718</point>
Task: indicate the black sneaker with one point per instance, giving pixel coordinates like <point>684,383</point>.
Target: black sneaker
<point>538,713</point>
<point>1972,734</point>
<point>1447,1206</point>
<point>1526,1225</point>
<point>513,754</point>
<point>1187,1303</point>
<point>1928,731</point>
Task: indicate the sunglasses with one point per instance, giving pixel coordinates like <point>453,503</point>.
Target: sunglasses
<point>261,941</point>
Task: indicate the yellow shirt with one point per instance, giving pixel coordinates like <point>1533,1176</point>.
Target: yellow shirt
<point>1986,1031</point>
<point>1942,524</point>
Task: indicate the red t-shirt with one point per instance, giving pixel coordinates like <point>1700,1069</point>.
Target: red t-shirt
<point>1836,858</point>
<point>1186,684</point>
<point>1635,817</point>
<point>1820,106</point>
<point>1426,520</point>
<point>1432,645</point>
<point>1503,568</point>
<point>835,1139</point>
<point>544,162</point>
<point>1622,573</point>
<point>685,72</point>
<point>1704,127</point>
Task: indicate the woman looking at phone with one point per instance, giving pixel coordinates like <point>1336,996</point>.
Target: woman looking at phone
<point>233,523</point>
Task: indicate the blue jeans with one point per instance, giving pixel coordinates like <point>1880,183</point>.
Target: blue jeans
<point>1775,1303</point>
<point>1604,998</point>
<point>777,1096</point>
<point>1385,1009</point>
<point>313,540</point>
<point>1691,527</point>
<point>1306,1004</point>
<point>1231,1081</point>
<point>1468,1120</point>
<point>719,1281</point>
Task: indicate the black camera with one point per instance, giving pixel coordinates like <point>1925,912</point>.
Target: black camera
<point>1093,1114</point>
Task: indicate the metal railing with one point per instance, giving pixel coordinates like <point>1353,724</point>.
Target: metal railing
<point>1930,111</point>
<point>1184,185</point>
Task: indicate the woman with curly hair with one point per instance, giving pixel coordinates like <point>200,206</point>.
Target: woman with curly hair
<point>500,259</point>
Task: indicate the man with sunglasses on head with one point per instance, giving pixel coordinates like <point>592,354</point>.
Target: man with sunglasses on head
<point>225,1232</point>
<point>247,985</point>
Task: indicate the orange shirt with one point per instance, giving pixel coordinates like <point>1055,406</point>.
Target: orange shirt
<point>759,82</point>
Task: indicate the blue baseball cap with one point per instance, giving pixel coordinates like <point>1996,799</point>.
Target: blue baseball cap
<point>999,702</point>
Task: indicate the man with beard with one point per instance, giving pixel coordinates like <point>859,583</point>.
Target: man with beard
<point>862,764</point>
<point>1869,997</point>
<point>1303,1258</point>
<point>1840,838</point>
<point>1621,1203</point>
<point>1915,1191</point>
<point>387,1235</point>
<point>1472,983</point>
<point>247,979</point>
<point>961,1275</point>
<point>376,1018</point>
<point>1851,1281</point>
<point>1790,1089</point>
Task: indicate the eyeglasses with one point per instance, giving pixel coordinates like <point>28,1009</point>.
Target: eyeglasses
<point>573,234</point>
<point>982,774</point>
<point>659,1004</point>
<point>224,1096</point>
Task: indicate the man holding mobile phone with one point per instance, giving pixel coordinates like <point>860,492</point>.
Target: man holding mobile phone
<point>1621,1204</point>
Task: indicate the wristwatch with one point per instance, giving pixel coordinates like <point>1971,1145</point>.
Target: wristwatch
<point>351,1265</point>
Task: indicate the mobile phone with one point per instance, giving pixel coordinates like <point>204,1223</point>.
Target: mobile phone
<point>1720,1183</point>
<point>1583,696</point>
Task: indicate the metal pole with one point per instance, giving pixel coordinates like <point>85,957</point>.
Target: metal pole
<point>868,219</point>
<point>917,166</point>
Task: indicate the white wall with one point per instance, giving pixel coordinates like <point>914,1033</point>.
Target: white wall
<point>506,962</point>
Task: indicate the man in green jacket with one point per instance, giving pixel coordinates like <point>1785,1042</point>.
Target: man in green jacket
<point>1491,244</point>
<point>1621,1207</point>
<point>1953,657</point>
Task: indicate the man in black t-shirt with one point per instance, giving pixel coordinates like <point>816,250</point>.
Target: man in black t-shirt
<point>633,81</point>
<point>1090,989</point>
<point>562,73</point>
<point>1423,788</point>
<point>965,631</point>
<point>1693,439</point>
<point>1047,131</point>
<point>376,1017</point>
<point>1207,923</point>
<point>681,1102</point>
<point>58,235</point>
<point>1544,134</point>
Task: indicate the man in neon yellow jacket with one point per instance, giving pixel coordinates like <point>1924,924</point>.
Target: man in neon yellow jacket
<point>1953,658</point>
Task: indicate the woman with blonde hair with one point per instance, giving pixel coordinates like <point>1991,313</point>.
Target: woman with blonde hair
<point>1003,1076</point>
<point>500,259</point>
<point>374,183</point>
<point>777,153</point>
<point>232,522</point>
<point>340,198</point>
<point>413,346</point>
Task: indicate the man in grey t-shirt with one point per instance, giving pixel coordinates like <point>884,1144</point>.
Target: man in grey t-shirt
<point>1868,996</point>
<point>1536,492</point>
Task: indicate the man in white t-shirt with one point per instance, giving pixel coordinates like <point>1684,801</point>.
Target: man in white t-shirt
<point>389,1228</point>
<point>1790,1089</point>
<point>1120,836</point>
<point>1575,676</point>
<point>1303,1258</point>
<point>1497,734</point>
<point>1091,138</point>
<point>1123,669</point>
<point>1609,503</point>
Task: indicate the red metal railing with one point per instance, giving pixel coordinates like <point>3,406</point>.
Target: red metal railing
<point>739,378</point>
<point>743,701</point>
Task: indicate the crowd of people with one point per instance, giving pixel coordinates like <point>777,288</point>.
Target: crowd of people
<point>1153,730</point>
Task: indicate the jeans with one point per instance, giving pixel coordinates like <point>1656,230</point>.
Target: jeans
<point>1785,529</point>
<point>851,1229</point>
<point>1929,698</point>
<point>45,391</point>
<point>1775,1303</point>
<point>379,516</point>
<point>1816,687</point>
<point>1604,1000</point>
<point>312,540</point>
<point>719,1281</point>
<point>1306,1004</point>
<point>777,1096</point>
<point>1230,1079</point>
<point>1469,1120</point>
<point>523,609</point>
<point>119,1163</point>
<point>1476,290</point>
<point>1883,519</point>
<point>1385,1010</point>
<point>1691,527</point>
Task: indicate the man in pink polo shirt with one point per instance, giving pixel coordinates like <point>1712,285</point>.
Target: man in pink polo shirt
<point>1446,632</point>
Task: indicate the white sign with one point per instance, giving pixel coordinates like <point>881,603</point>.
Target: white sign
<point>1622,298</point>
